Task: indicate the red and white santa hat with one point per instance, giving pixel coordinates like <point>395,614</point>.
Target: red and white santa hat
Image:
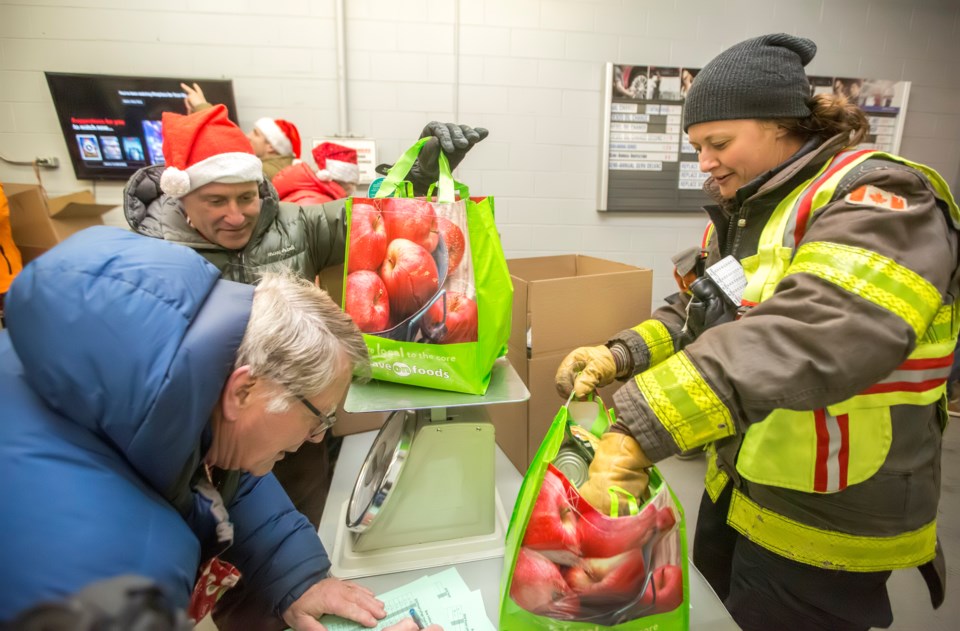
<point>205,147</point>
<point>282,135</point>
<point>336,162</point>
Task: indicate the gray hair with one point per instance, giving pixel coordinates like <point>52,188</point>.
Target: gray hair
<point>296,336</point>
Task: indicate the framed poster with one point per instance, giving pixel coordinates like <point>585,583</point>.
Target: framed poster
<point>647,161</point>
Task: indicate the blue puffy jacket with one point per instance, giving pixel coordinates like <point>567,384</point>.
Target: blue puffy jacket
<point>116,352</point>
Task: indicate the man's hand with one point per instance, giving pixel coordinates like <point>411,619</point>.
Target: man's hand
<point>453,139</point>
<point>584,370</point>
<point>194,97</point>
<point>620,462</point>
<point>331,595</point>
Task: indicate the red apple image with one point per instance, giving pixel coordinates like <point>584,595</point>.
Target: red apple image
<point>456,244</point>
<point>614,579</point>
<point>367,301</point>
<point>410,275</point>
<point>368,238</point>
<point>552,529</point>
<point>460,324</point>
<point>411,219</point>
<point>538,587</point>
<point>603,536</point>
<point>665,589</point>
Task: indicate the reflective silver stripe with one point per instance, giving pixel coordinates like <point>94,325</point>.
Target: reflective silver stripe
<point>833,457</point>
<point>917,376</point>
<point>833,451</point>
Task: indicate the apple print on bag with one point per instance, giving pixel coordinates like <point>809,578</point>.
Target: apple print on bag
<point>569,566</point>
<point>430,317</point>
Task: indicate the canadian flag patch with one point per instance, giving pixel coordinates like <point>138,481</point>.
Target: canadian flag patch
<point>869,195</point>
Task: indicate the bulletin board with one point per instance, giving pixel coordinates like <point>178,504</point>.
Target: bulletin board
<point>647,161</point>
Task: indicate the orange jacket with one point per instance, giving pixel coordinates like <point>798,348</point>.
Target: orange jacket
<point>10,263</point>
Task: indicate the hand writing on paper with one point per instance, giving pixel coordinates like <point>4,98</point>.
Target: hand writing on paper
<point>331,595</point>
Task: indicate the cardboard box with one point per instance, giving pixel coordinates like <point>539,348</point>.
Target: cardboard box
<point>563,302</point>
<point>39,222</point>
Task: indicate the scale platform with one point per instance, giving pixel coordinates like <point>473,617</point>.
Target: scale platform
<point>381,396</point>
<point>425,495</point>
<point>347,563</point>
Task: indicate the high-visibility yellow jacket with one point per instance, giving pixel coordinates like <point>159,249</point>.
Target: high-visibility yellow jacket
<point>824,403</point>
<point>10,263</point>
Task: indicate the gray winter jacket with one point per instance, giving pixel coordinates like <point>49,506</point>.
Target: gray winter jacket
<point>305,239</point>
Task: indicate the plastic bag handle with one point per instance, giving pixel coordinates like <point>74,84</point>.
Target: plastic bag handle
<point>615,492</point>
<point>399,171</point>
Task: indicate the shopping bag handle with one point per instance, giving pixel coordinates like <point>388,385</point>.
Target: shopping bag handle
<point>462,189</point>
<point>599,425</point>
<point>572,394</point>
<point>615,492</point>
<point>399,171</point>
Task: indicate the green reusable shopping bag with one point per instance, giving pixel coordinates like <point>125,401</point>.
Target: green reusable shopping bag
<point>427,282</point>
<point>566,566</point>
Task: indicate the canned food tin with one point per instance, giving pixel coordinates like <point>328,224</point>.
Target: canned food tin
<point>585,437</point>
<point>572,464</point>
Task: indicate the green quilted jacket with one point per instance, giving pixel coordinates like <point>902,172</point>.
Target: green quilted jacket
<point>305,239</point>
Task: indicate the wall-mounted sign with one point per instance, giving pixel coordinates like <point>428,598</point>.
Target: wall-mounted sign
<point>648,163</point>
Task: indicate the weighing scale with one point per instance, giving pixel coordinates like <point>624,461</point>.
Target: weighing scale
<point>425,495</point>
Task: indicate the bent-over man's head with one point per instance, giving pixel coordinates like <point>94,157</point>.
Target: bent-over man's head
<point>292,370</point>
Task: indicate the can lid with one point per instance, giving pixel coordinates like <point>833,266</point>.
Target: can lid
<point>572,465</point>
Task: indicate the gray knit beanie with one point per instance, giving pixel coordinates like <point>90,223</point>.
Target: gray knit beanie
<point>762,77</point>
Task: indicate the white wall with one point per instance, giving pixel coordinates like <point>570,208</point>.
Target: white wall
<point>529,70</point>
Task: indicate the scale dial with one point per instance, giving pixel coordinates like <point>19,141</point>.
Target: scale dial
<point>381,469</point>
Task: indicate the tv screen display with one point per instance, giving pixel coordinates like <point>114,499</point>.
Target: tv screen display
<point>112,123</point>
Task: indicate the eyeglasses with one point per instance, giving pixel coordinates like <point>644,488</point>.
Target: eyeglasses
<point>327,420</point>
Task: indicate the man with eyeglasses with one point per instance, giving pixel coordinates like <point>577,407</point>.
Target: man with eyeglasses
<point>144,402</point>
<point>211,196</point>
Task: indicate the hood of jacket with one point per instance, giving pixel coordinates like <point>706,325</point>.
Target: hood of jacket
<point>153,213</point>
<point>299,181</point>
<point>130,338</point>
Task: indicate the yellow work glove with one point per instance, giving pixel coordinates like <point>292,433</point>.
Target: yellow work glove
<point>584,370</point>
<point>620,462</point>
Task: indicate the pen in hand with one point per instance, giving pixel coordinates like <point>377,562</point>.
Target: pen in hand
<point>416,618</point>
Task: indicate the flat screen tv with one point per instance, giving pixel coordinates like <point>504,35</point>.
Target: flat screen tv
<point>112,124</point>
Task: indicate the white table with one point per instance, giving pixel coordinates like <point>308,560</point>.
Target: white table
<point>706,610</point>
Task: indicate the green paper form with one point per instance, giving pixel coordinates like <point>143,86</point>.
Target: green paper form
<point>441,598</point>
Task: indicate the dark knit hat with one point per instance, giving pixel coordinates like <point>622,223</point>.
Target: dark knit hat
<point>762,77</point>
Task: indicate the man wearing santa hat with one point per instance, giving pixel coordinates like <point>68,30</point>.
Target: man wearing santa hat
<point>275,141</point>
<point>335,176</point>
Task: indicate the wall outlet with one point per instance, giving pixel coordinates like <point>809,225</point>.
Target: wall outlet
<point>51,162</point>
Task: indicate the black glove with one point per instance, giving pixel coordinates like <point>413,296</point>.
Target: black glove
<point>707,307</point>
<point>455,140</point>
